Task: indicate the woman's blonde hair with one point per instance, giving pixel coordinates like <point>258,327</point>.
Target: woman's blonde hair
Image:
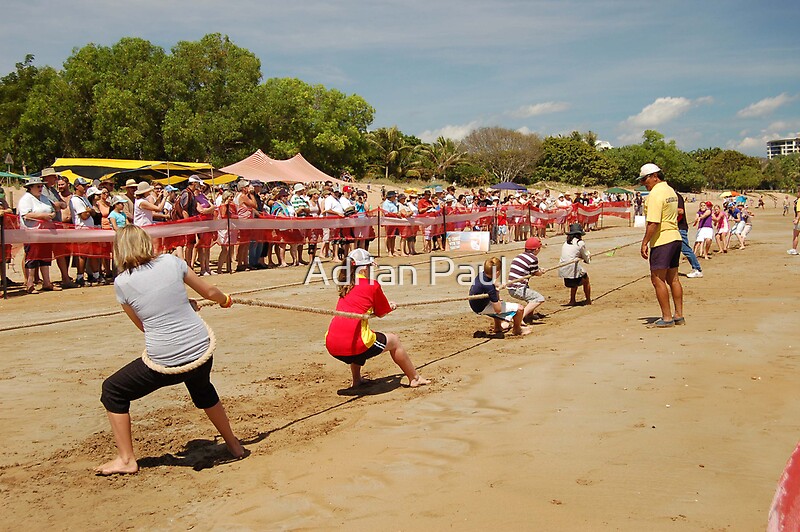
<point>132,248</point>
<point>348,275</point>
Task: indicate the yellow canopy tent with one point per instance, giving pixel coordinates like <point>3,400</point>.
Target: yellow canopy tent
<point>166,172</point>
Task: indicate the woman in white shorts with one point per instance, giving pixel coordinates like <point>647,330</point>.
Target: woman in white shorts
<point>705,230</point>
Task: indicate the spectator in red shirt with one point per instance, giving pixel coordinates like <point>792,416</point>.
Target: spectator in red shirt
<point>351,340</point>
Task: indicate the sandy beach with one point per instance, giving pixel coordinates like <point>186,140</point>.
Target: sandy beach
<point>592,422</point>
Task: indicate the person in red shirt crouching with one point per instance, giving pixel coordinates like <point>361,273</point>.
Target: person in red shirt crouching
<point>351,340</point>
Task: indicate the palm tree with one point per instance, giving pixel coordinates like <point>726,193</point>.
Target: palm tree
<point>443,155</point>
<point>389,144</point>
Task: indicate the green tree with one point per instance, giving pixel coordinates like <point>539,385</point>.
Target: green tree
<point>783,172</point>
<point>680,169</point>
<point>46,128</point>
<point>211,83</point>
<point>573,160</point>
<point>325,125</point>
<point>745,178</point>
<point>131,101</point>
<point>719,169</point>
<point>14,91</point>
<point>390,147</point>
<point>441,156</point>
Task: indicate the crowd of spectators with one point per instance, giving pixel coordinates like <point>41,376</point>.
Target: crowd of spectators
<point>53,199</point>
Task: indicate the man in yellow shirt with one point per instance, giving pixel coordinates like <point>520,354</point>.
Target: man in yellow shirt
<point>664,240</point>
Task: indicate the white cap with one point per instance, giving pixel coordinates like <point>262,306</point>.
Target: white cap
<point>360,257</point>
<point>195,179</point>
<point>92,191</point>
<point>648,169</point>
<point>299,186</point>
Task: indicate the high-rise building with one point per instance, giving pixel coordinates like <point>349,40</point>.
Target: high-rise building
<point>782,147</point>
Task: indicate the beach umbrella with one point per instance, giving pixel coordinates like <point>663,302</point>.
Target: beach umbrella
<point>726,195</point>
<point>734,193</point>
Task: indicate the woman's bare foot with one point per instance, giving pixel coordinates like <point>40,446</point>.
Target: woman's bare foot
<point>522,331</point>
<point>117,466</point>
<point>236,450</point>
<point>418,381</point>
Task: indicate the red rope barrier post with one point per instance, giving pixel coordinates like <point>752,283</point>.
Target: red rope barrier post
<point>493,227</point>
<point>3,255</point>
<point>529,218</point>
<point>444,226</point>
<point>601,214</point>
<point>229,260</point>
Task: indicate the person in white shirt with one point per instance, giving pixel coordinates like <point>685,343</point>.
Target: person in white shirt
<point>82,212</point>
<point>33,211</point>
<point>333,208</point>
<point>572,252</point>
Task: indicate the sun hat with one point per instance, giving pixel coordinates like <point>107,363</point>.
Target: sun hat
<point>532,243</point>
<point>575,229</point>
<point>119,199</point>
<point>312,191</point>
<point>34,181</point>
<point>299,186</point>
<point>648,169</point>
<point>143,188</point>
<point>360,257</point>
<point>49,171</point>
<point>194,178</point>
<point>131,183</point>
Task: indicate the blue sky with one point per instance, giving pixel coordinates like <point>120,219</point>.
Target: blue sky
<point>703,72</point>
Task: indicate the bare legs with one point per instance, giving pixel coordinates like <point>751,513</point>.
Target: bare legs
<point>665,281</point>
<point>125,461</point>
<point>401,358</point>
<point>587,292</point>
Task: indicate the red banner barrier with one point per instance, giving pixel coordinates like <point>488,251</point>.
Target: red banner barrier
<point>65,239</point>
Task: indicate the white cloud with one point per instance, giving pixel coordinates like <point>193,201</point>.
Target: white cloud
<point>537,109</point>
<point>765,107</point>
<point>457,132</point>
<point>751,144</point>
<point>756,144</point>
<point>629,138</point>
<point>660,111</point>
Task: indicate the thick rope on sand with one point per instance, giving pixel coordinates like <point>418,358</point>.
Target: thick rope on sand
<point>186,368</point>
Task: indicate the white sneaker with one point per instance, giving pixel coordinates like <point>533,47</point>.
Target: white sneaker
<point>694,274</point>
<point>791,251</point>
